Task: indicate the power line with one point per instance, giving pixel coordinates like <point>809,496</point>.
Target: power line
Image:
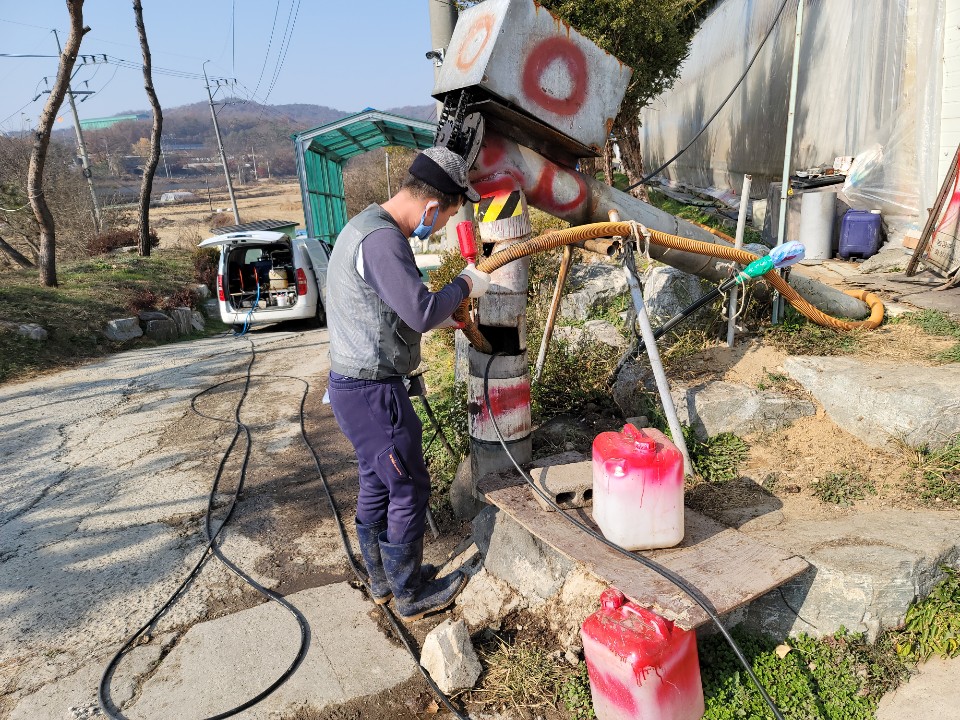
<point>14,22</point>
<point>266,57</point>
<point>285,46</point>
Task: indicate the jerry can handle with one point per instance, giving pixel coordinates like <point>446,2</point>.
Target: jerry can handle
<point>640,440</point>
<point>662,626</point>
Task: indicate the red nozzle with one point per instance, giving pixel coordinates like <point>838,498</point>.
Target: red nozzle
<point>468,247</point>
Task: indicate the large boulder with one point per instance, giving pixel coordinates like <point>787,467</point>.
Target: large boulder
<point>183,318</point>
<point>630,387</point>
<point>32,331</point>
<point>486,600</point>
<point>592,287</point>
<point>123,329</point>
<point>211,308</point>
<point>160,329</point>
<point>594,331</point>
<point>667,291</point>
<point>201,291</point>
<point>719,407</point>
<point>880,401</point>
<point>197,322</point>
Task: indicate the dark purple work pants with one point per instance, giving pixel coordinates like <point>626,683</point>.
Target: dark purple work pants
<point>379,420</point>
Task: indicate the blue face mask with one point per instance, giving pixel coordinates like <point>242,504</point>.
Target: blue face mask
<point>423,230</point>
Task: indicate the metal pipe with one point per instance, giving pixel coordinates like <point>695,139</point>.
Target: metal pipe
<point>738,243</point>
<point>565,263</point>
<point>788,150</point>
<point>653,353</point>
<point>600,247</point>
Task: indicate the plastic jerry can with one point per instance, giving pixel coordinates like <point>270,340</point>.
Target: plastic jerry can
<point>638,488</point>
<point>640,665</point>
<point>860,234</point>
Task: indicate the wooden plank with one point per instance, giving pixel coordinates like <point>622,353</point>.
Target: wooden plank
<point>729,568</point>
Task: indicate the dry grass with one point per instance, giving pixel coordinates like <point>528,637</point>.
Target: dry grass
<point>520,676</point>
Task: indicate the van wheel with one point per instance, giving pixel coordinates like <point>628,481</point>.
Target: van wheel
<point>320,319</point>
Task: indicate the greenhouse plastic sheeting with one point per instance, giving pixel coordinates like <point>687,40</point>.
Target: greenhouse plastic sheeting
<point>869,82</point>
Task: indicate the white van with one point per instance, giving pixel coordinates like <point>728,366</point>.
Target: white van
<point>267,277</point>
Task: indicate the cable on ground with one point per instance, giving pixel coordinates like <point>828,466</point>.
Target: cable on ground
<point>665,573</point>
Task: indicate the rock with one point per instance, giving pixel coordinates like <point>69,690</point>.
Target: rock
<point>596,331</point>
<point>728,407</point>
<point>486,600</point>
<point>183,317</point>
<point>532,567</point>
<point>201,290</point>
<point>449,657</point>
<point>667,291</point>
<point>868,567</point>
<point>162,330</point>
<point>148,315</point>
<point>879,401</point>
<point>889,259</point>
<point>631,386</point>
<point>463,497</point>
<point>758,249</point>
<point>32,331</point>
<point>638,421</point>
<point>197,322</point>
<point>211,308</point>
<point>578,598</point>
<point>482,526</point>
<point>123,329</point>
<point>559,430</point>
<point>593,286</point>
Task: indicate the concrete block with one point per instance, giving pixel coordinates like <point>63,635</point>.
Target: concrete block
<point>123,329</point>
<point>449,657</point>
<point>569,486</point>
<point>532,567</point>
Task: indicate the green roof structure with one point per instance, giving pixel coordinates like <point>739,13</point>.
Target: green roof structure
<point>321,152</point>
<point>101,123</point>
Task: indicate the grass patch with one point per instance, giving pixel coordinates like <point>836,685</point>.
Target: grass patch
<point>938,324</point>
<point>717,459</point>
<point>520,675</point>
<point>932,626</point>
<point>696,214</point>
<point>839,677</point>
<point>772,380</point>
<point>939,472</point>
<point>575,693</point>
<point>843,487</point>
<point>91,292</point>
<point>798,336</point>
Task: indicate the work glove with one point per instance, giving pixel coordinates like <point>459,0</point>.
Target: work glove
<point>479,281</point>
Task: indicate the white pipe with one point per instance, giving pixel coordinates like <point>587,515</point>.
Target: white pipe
<point>653,353</point>
<point>738,243</point>
<point>788,150</point>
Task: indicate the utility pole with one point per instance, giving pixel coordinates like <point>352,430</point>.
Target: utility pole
<point>97,218</point>
<point>386,154</point>
<point>223,157</point>
<point>253,152</point>
<point>166,170</point>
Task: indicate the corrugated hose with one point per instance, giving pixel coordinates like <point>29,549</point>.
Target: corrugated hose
<point>559,238</point>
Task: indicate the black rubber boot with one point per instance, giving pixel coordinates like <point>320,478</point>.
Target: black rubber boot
<point>370,549</point>
<point>415,596</point>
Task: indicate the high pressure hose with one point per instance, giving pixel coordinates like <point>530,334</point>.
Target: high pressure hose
<point>559,238</point>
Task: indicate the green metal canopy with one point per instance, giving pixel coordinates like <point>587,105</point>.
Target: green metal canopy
<point>320,154</point>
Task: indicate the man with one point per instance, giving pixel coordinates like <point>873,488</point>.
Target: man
<point>377,309</point>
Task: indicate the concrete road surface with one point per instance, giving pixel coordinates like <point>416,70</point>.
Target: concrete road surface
<point>105,472</point>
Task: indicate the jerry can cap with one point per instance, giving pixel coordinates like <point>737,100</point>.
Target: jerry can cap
<point>612,599</point>
<point>640,440</point>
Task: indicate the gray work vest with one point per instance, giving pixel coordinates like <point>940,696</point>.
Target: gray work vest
<point>368,340</point>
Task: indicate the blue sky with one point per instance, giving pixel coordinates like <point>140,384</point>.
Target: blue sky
<point>347,55</point>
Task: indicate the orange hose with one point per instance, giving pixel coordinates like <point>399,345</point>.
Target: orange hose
<point>558,238</point>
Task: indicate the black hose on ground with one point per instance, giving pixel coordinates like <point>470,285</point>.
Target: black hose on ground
<point>213,549</point>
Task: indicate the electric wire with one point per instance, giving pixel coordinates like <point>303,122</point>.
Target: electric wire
<point>665,573</point>
<point>266,57</point>
<point>644,180</point>
<point>212,549</point>
<point>284,46</point>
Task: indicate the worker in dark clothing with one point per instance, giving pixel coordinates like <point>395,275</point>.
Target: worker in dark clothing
<point>377,309</point>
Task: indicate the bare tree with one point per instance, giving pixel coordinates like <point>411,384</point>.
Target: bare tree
<point>146,185</point>
<point>38,156</point>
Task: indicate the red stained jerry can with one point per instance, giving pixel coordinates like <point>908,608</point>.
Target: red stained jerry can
<point>641,666</point>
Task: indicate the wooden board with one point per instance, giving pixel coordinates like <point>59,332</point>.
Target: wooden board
<point>729,568</point>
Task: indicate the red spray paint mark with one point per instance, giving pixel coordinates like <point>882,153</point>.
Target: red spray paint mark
<point>503,400</point>
<point>544,194</point>
<point>500,184</point>
<point>549,51</point>
<point>478,36</point>
<point>614,691</point>
<point>493,152</point>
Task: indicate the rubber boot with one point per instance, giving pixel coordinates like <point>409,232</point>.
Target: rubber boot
<point>415,596</point>
<point>368,535</point>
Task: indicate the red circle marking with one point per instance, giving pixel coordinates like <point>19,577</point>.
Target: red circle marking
<point>542,56</point>
<point>544,196</point>
<point>483,24</point>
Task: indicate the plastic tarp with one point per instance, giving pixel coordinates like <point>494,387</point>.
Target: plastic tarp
<point>869,86</point>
